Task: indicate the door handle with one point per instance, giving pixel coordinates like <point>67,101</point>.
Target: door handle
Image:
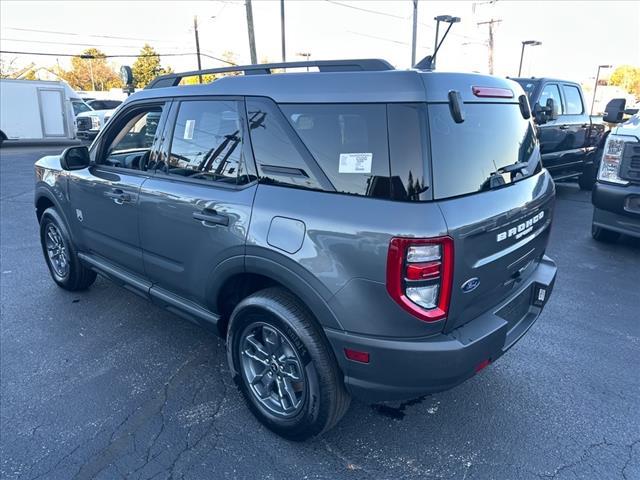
<point>118,196</point>
<point>210,217</point>
<point>564,127</point>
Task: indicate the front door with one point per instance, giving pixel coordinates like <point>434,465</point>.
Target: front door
<point>104,197</point>
<point>553,138</point>
<point>195,209</point>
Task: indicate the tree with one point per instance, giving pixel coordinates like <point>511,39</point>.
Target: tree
<point>90,71</point>
<point>627,77</point>
<point>147,66</point>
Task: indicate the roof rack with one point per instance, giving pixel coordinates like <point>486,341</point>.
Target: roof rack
<point>367,64</point>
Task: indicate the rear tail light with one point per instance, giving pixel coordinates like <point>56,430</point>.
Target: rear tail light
<point>419,275</point>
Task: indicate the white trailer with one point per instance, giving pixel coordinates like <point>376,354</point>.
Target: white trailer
<point>35,110</point>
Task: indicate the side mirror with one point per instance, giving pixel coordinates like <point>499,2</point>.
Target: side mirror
<point>539,114</point>
<point>614,111</point>
<point>551,109</point>
<point>75,158</point>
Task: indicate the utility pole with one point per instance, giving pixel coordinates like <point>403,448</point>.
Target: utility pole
<point>195,30</point>
<point>284,51</point>
<point>490,23</point>
<point>415,32</point>
<point>93,83</point>
<point>252,38</point>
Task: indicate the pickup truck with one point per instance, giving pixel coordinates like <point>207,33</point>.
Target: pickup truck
<point>571,140</point>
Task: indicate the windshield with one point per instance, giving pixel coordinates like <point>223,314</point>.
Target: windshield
<point>468,157</point>
<point>79,106</point>
<point>528,86</point>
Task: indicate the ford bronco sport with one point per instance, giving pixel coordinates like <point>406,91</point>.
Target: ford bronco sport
<point>355,231</point>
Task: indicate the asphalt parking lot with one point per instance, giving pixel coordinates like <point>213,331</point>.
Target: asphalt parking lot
<point>102,384</point>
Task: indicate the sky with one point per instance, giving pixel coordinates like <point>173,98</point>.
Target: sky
<point>576,36</point>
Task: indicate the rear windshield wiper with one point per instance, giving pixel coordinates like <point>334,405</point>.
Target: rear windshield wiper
<point>496,180</point>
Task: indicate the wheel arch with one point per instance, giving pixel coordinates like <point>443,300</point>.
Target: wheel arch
<point>239,277</point>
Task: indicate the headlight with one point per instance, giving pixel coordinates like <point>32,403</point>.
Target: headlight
<point>95,122</point>
<point>611,159</point>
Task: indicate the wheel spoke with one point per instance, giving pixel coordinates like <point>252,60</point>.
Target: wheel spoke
<point>258,347</point>
<point>291,394</point>
<point>260,376</point>
<point>291,369</point>
<point>271,340</point>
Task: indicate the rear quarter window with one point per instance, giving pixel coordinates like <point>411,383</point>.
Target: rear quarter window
<point>349,143</point>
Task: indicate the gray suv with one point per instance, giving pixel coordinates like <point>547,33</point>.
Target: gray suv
<point>354,231</point>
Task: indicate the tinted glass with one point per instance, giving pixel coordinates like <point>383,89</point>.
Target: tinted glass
<point>349,142</point>
<point>529,86</point>
<point>278,159</point>
<point>464,155</point>
<point>573,100</point>
<point>408,148</point>
<point>551,90</point>
<point>130,145</point>
<point>207,142</point>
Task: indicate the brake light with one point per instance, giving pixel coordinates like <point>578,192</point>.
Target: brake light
<point>492,92</point>
<point>420,274</point>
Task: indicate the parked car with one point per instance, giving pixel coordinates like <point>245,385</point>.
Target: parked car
<point>571,140</point>
<point>90,122</point>
<point>37,110</point>
<point>354,231</point>
<point>98,104</point>
<point>616,195</point>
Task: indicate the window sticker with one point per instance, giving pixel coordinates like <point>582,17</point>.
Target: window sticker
<point>355,163</point>
<point>189,127</point>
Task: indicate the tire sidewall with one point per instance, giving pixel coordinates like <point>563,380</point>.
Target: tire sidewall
<point>306,422</point>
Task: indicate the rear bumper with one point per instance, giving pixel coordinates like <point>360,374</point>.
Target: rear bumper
<point>617,208</point>
<point>401,369</point>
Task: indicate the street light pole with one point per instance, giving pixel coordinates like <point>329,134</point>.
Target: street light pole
<point>415,32</point>
<point>284,51</point>
<point>595,87</point>
<point>533,43</point>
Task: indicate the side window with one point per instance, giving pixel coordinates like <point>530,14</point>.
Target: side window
<point>279,161</point>
<point>349,142</point>
<point>551,90</point>
<point>130,144</point>
<point>573,100</point>
<point>207,142</point>
<point>408,136</point>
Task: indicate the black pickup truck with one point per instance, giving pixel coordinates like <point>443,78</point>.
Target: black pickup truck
<point>571,141</point>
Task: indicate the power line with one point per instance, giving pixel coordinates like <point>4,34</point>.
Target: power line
<point>45,42</point>
<point>115,56</point>
<point>55,32</point>
<point>366,10</point>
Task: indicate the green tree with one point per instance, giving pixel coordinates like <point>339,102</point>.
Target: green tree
<point>147,66</point>
<point>90,71</point>
<point>627,77</point>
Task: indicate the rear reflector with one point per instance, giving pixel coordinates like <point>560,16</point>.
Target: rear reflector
<point>492,92</point>
<point>423,271</point>
<point>356,356</point>
<point>482,364</point>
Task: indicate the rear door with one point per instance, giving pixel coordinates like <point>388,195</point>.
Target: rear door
<point>52,112</point>
<point>500,227</point>
<point>195,209</point>
<point>105,195</point>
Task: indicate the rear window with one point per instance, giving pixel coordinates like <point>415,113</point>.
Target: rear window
<point>464,155</point>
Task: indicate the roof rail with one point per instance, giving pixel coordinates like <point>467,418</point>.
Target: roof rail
<point>367,64</point>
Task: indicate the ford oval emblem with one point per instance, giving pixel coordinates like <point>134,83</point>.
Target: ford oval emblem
<point>470,285</point>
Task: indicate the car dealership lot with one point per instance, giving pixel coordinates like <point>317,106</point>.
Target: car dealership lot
<point>102,384</point>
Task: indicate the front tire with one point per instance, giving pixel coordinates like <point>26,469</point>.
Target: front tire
<point>60,254</point>
<point>283,366</point>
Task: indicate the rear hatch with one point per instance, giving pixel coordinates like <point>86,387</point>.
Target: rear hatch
<point>488,181</point>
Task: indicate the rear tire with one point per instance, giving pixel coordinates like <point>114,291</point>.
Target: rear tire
<point>283,365</point>
<point>60,254</point>
<point>603,235</point>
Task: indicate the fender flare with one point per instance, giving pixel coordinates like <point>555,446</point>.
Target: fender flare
<point>283,271</point>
